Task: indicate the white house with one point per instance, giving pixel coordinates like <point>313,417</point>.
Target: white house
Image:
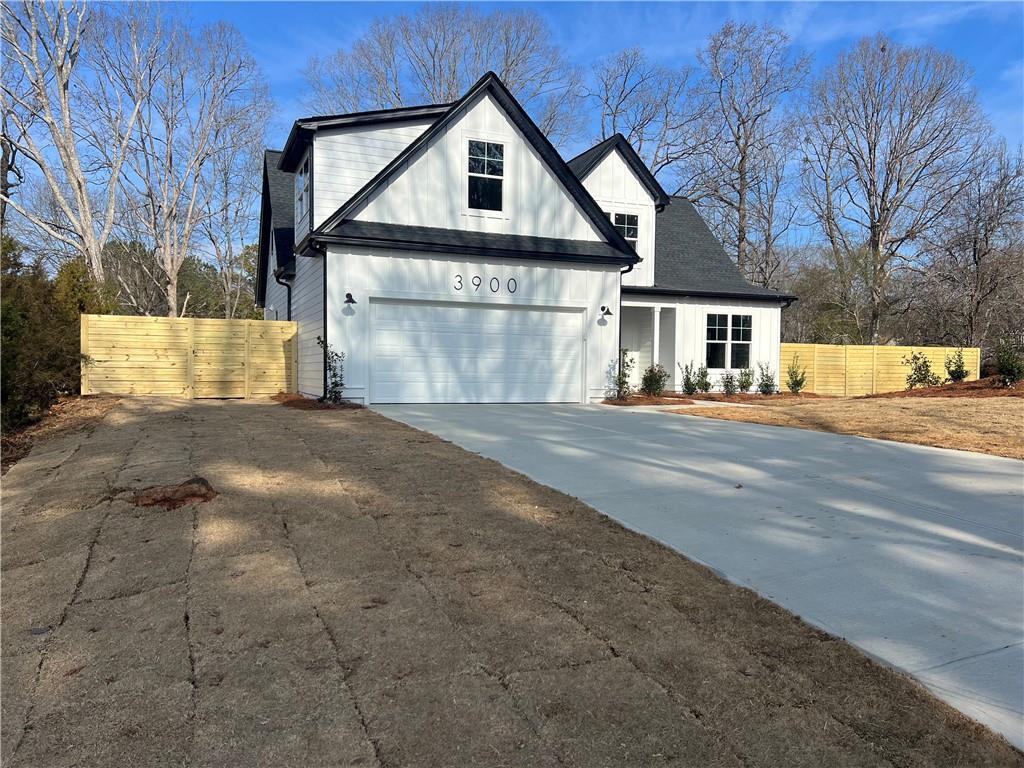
<point>454,256</point>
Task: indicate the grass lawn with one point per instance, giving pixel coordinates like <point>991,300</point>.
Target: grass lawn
<point>992,425</point>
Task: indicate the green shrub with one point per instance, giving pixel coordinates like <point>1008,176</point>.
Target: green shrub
<point>702,380</point>
<point>956,369</point>
<point>620,385</point>
<point>653,382</point>
<point>745,380</point>
<point>334,392</point>
<point>796,377</point>
<point>1009,362</point>
<point>689,379</point>
<point>728,383</point>
<point>921,373</point>
<point>765,379</point>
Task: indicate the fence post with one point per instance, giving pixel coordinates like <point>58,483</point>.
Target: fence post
<point>248,359</point>
<point>191,385</point>
<point>874,369</point>
<point>84,359</point>
<point>295,357</point>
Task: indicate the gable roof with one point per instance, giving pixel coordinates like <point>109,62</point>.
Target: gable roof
<point>492,85</point>
<point>689,260</point>
<point>277,223</point>
<point>585,162</point>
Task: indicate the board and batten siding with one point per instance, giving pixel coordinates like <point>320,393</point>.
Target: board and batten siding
<point>379,274</point>
<point>346,158</point>
<point>308,313</point>
<point>431,189</point>
<point>616,189</point>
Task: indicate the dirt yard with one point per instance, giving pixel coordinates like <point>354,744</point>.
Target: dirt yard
<point>358,593</point>
<point>992,425</point>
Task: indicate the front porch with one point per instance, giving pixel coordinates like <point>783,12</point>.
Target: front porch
<point>649,332</point>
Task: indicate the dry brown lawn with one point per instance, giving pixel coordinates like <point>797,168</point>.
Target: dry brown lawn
<point>992,425</point>
<point>359,593</point>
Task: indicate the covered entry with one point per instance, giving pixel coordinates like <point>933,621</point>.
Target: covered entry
<point>649,335</point>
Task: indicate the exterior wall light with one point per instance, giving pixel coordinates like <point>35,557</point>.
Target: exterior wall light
<point>605,312</point>
<point>349,299</point>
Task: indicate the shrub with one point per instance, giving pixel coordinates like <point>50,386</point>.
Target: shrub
<point>728,383</point>
<point>1009,362</point>
<point>921,373</point>
<point>689,379</point>
<point>765,379</point>
<point>796,377</point>
<point>703,381</point>
<point>654,380</point>
<point>745,380</point>
<point>334,391</point>
<point>620,383</point>
<point>956,369</point>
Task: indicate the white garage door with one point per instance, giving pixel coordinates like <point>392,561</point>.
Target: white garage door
<point>468,353</point>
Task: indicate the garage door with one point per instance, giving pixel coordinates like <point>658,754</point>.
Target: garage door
<point>466,353</point>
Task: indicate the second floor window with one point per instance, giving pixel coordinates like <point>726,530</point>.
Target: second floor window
<point>486,175</point>
<point>302,190</point>
<point>628,225</point>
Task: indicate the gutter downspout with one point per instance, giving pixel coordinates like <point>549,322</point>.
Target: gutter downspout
<point>287,287</point>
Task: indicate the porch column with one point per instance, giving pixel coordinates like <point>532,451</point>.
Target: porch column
<point>656,352</point>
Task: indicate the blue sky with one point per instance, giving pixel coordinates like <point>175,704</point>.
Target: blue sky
<point>989,36</point>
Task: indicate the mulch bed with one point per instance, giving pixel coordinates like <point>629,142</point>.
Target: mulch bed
<point>292,400</point>
<point>67,414</point>
<point>990,386</point>
<point>666,399</point>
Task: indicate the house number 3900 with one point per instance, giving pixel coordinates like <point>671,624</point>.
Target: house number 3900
<point>477,282</point>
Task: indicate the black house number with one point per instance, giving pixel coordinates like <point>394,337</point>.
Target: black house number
<point>493,284</point>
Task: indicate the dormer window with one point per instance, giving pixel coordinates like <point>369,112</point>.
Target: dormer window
<point>628,225</point>
<point>302,191</point>
<point>486,175</point>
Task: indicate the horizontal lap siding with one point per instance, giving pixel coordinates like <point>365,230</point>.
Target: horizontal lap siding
<point>864,369</point>
<point>308,314</point>
<point>190,357</point>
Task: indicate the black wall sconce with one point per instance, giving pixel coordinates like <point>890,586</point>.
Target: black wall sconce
<point>349,299</point>
<point>605,312</point>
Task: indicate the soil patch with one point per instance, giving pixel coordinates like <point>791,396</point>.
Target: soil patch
<point>194,491</point>
<point>991,386</point>
<point>66,415</point>
<point>293,400</point>
<point>993,425</point>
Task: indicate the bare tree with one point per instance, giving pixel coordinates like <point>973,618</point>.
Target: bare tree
<point>69,110</point>
<point>893,132</point>
<point>435,54</point>
<point>656,108</point>
<point>749,73</point>
<point>203,91</point>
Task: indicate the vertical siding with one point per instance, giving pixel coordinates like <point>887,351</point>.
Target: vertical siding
<point>346,158</point>
<point>431,190</point>
<point>308,313</point>
<point>615,187</point>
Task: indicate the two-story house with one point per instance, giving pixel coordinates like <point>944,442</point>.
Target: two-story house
<point>453,256</point>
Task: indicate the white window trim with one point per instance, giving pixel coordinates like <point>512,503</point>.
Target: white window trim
<point>623,211</point>
<point>303,194</point>
<point>508,159</point>
<point>728,339</point>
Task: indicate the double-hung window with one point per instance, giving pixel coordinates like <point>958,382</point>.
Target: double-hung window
<point>486,175</point>
<point>728,341</point>
<point>302,190</point>
<point>628,225</point>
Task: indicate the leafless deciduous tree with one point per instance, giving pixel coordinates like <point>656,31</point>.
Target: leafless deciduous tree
<point>892,135</point>
<point>656,108</point>
<point>749,74</point>
<point>72,94</point>
<point>436,53</point>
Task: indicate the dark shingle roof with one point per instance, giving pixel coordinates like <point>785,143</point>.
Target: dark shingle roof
<point>689,260</point>
<point>585,162</point>
<point>277,223</point>
<point>438,240</point>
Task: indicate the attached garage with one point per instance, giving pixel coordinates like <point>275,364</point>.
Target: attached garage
<point>451,352</point>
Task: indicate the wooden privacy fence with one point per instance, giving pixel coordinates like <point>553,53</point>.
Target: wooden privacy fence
<point>865,370</point>
<point>188,357</point>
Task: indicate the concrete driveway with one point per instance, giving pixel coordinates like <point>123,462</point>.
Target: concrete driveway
<point>913,554</point>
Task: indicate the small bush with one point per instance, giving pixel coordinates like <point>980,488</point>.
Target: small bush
<point>1009,362</point>
<point>728,383</point>
<point>703,381</point>
<point>956,369</point>
<point>620,385</point>
<point>334,392</point>
<point>689,378</point>
<point>765,379</point>
<point>745,380</point>
<point>796,377</point>
<point>653,382</point>
<point>921,373</point>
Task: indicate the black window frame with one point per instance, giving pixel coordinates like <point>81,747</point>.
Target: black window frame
<point>624,226</point>
<point>725,335</point>
<point>485,175</point>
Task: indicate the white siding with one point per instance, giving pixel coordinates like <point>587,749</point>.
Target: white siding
<point>432,189</point>
<point>275,306</point>
<point>616,189</point>
<point>308,312</point>
<point>346,158</point>
<point>377,274</point>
